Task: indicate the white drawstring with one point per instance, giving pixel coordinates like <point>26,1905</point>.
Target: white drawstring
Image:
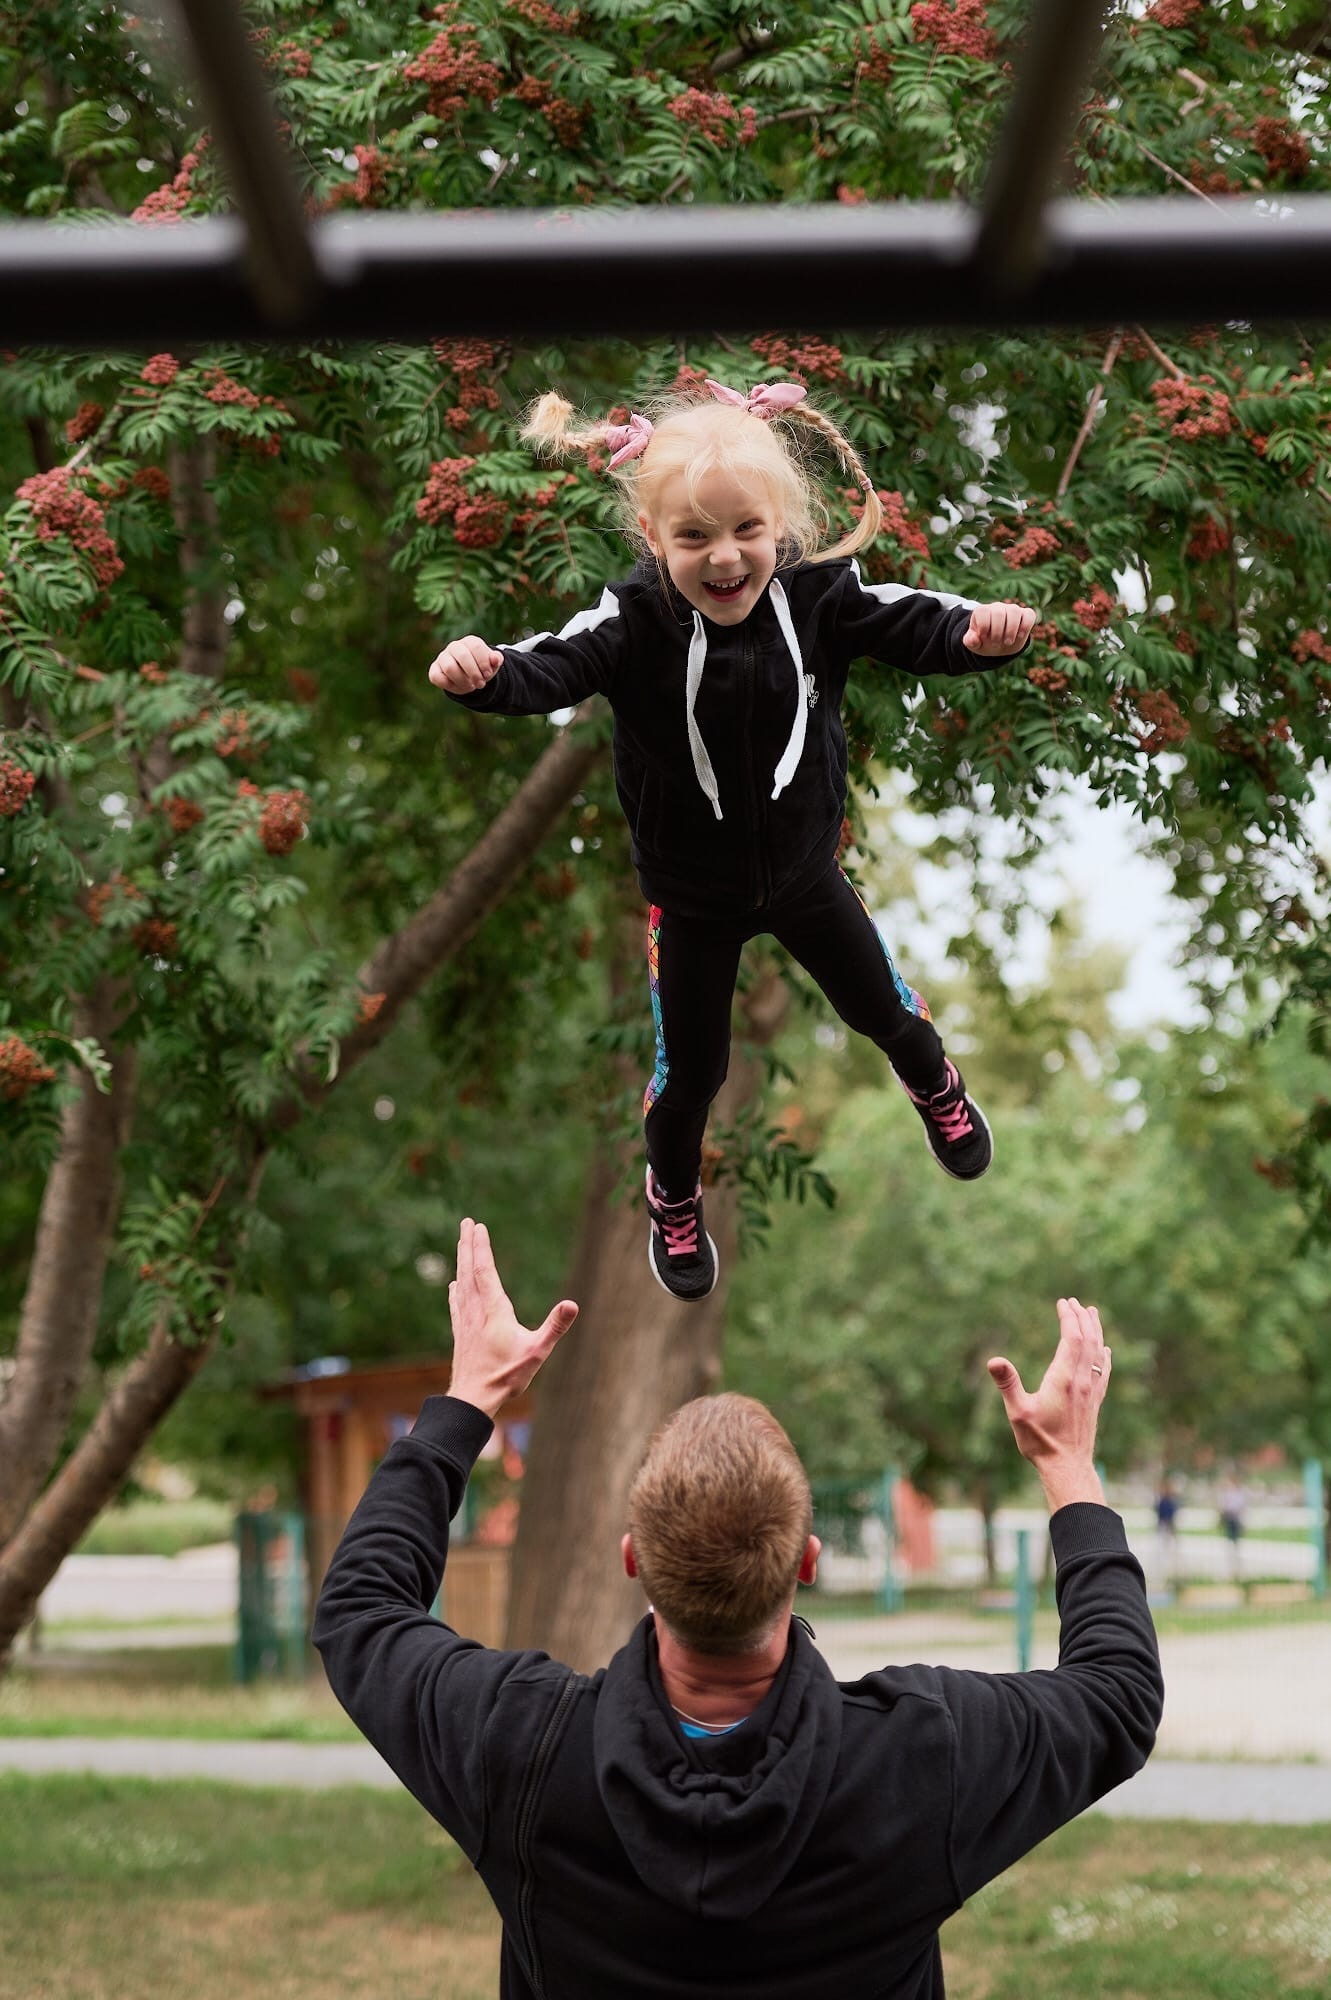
<point>790,756</point>
<point>794,750</point>
<point>702,763</point>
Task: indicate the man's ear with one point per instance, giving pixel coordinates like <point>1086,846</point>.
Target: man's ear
<point>813,1548</point>
<point>630,1560</point>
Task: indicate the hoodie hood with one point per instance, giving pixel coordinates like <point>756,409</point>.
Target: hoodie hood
<point>716,1826</point>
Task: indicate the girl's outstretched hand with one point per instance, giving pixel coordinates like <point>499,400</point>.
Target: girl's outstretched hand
<point>465,665</point>
<point>998,628</point>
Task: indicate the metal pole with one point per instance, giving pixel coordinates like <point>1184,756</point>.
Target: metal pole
<point>1062,40</point>
<point>279,254</point>
<point>1025,1601</point>
<point>1314,1497</point>
<point>534,275</point>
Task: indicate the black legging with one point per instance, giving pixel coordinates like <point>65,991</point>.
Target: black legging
<point>693,963</point>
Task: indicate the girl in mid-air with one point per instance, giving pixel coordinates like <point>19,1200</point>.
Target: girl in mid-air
<point>724,656</point>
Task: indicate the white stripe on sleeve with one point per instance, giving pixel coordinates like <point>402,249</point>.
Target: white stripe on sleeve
<point>892,593</point>
<point>583,621</point>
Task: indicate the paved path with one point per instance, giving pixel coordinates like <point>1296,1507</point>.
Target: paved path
<point>1273,1794</point>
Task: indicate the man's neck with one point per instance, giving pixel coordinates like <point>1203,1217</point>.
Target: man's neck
<point>718,1687</point>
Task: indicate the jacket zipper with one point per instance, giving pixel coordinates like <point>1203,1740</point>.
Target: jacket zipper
<point>760,874</point>
<point>525,1817</point>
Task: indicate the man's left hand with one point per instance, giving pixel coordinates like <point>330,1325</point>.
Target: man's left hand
<point>996,629</point>
<point>493,1357</point>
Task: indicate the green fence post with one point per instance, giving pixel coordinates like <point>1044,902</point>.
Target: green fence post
<point>1314,1497</point>
<point>890,1593</point>
<point>1025,1601</point>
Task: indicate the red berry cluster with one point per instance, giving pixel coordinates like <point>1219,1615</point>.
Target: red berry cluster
<point>1211,180</point>
<point>223,388</point>
<point>714,115</point>
<point>289,58</point>
<point>233,737</point>
<point>960,30</point>
<point>801,357</point>
<point>165,203</point>
<point>444,491</point>
<point>852,197</point>
<point>567,121</point>
<point>21,1068</point>
<point>450,68</point>
<point>1209,538</point>
<point>161,371</point>
<point>532,91</point>
<point>1174,13</point>
<point>1166,725</point>
<point>366,191</point>
<point>1311,645</point>
<point>85,422</point>
<point>948,724</point>
<point>283,820</point>
<point>1284,150</point>
<point>1095,611</point>
<point>541,15</point>
<point>60,507</point>
<point>1051,679</point>
<point>155,937</point>
<point>16,785</point>
<point>1193,407</point>
<point>1031,547</point>
<point>897,523</point>
<point>480,524</point>
<point>153,481</point>
<point>153,671</point>
<point>689,381</point>
<point>184,814</point>
<point>877,62</point>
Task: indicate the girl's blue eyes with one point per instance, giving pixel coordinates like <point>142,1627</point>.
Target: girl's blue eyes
<point>744,528</point>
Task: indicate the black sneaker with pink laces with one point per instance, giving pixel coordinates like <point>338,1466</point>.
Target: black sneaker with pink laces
<point>681,1253</point>
<point>959,1138</point>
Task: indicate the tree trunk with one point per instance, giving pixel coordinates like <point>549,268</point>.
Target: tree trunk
<point>633,1357</point>
<point>91,1476</point>
<point>58,1321</point>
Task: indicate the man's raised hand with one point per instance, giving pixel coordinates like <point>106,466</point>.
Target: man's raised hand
<point>493,1357</point>
<point>465,665</point>
<point>1055,1426</point>
<point>1000,628</point>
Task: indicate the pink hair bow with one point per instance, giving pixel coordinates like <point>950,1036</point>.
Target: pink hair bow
<point>767,400</point>
<point>629,440</point>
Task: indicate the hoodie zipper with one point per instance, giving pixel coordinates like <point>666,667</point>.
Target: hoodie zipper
<point>760,872</point>
<point>525,1818</point>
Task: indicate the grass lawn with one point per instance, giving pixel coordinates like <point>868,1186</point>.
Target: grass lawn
<point>163,1691</point>
<point>159,1528</point>
<point>113,1889</point>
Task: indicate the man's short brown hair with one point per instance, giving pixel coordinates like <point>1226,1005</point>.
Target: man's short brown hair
<point>720,1513</point>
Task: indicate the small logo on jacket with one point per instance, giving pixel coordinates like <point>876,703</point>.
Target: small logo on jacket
<point>812,690</point>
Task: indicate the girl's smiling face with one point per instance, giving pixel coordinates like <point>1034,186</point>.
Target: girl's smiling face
<point>719,546</point>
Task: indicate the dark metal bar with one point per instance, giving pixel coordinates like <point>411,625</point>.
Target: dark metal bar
<point>538,274</point>
<point>279,254</point>
<point>1053,70</point>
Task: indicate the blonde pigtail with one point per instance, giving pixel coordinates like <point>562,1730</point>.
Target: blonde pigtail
<point>871,519</point>
<point>551,428</point>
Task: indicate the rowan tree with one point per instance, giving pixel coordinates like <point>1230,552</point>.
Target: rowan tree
<point>233,854</point>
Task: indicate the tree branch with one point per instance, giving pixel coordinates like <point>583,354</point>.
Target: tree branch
<point>58,1320</point>
<point>404,962</point>
<point>1093,404</point>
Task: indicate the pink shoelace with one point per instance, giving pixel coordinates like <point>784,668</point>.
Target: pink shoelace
<point>953,1120</point>
<point>678,1223</point>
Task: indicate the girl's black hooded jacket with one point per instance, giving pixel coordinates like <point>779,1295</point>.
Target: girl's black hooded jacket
<point>729,753</point>
<point>814,1851</point>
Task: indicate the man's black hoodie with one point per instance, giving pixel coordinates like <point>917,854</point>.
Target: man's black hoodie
<point>815,1850</point>
<point>705,713</point>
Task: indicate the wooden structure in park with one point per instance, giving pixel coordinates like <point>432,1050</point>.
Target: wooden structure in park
<point>350,1417</point>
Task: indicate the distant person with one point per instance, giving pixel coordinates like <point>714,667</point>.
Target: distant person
<point>1166,1530</point>
<point>713,1815</point>
<point>1233,1500</point>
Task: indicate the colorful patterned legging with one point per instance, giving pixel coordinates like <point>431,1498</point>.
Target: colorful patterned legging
<point>693,963</point>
